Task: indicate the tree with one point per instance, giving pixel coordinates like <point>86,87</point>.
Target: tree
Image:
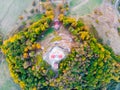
<point>25,55</point>
<point>38,46</point>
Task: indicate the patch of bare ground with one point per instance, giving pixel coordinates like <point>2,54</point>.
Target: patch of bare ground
<point>61,38</point>
<point>105,20</point>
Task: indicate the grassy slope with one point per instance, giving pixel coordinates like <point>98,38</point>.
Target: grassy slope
<point>85,9</point>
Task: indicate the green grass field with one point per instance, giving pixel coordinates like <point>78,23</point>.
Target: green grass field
<point>6,82</point>
<point>10,10</point>
<point>86,8</point>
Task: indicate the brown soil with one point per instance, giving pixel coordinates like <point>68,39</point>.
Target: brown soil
<point>105,20</point>
<point>65,42</point>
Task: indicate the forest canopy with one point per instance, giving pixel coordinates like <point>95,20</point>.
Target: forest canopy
<point>90,65</point>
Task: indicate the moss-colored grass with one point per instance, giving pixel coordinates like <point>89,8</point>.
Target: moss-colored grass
<point>38,59</point>
<point>94,32</point>
<point>36,17</point>
<point>47,32</point>
<point>118,30</point>
<point>56,38</point>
